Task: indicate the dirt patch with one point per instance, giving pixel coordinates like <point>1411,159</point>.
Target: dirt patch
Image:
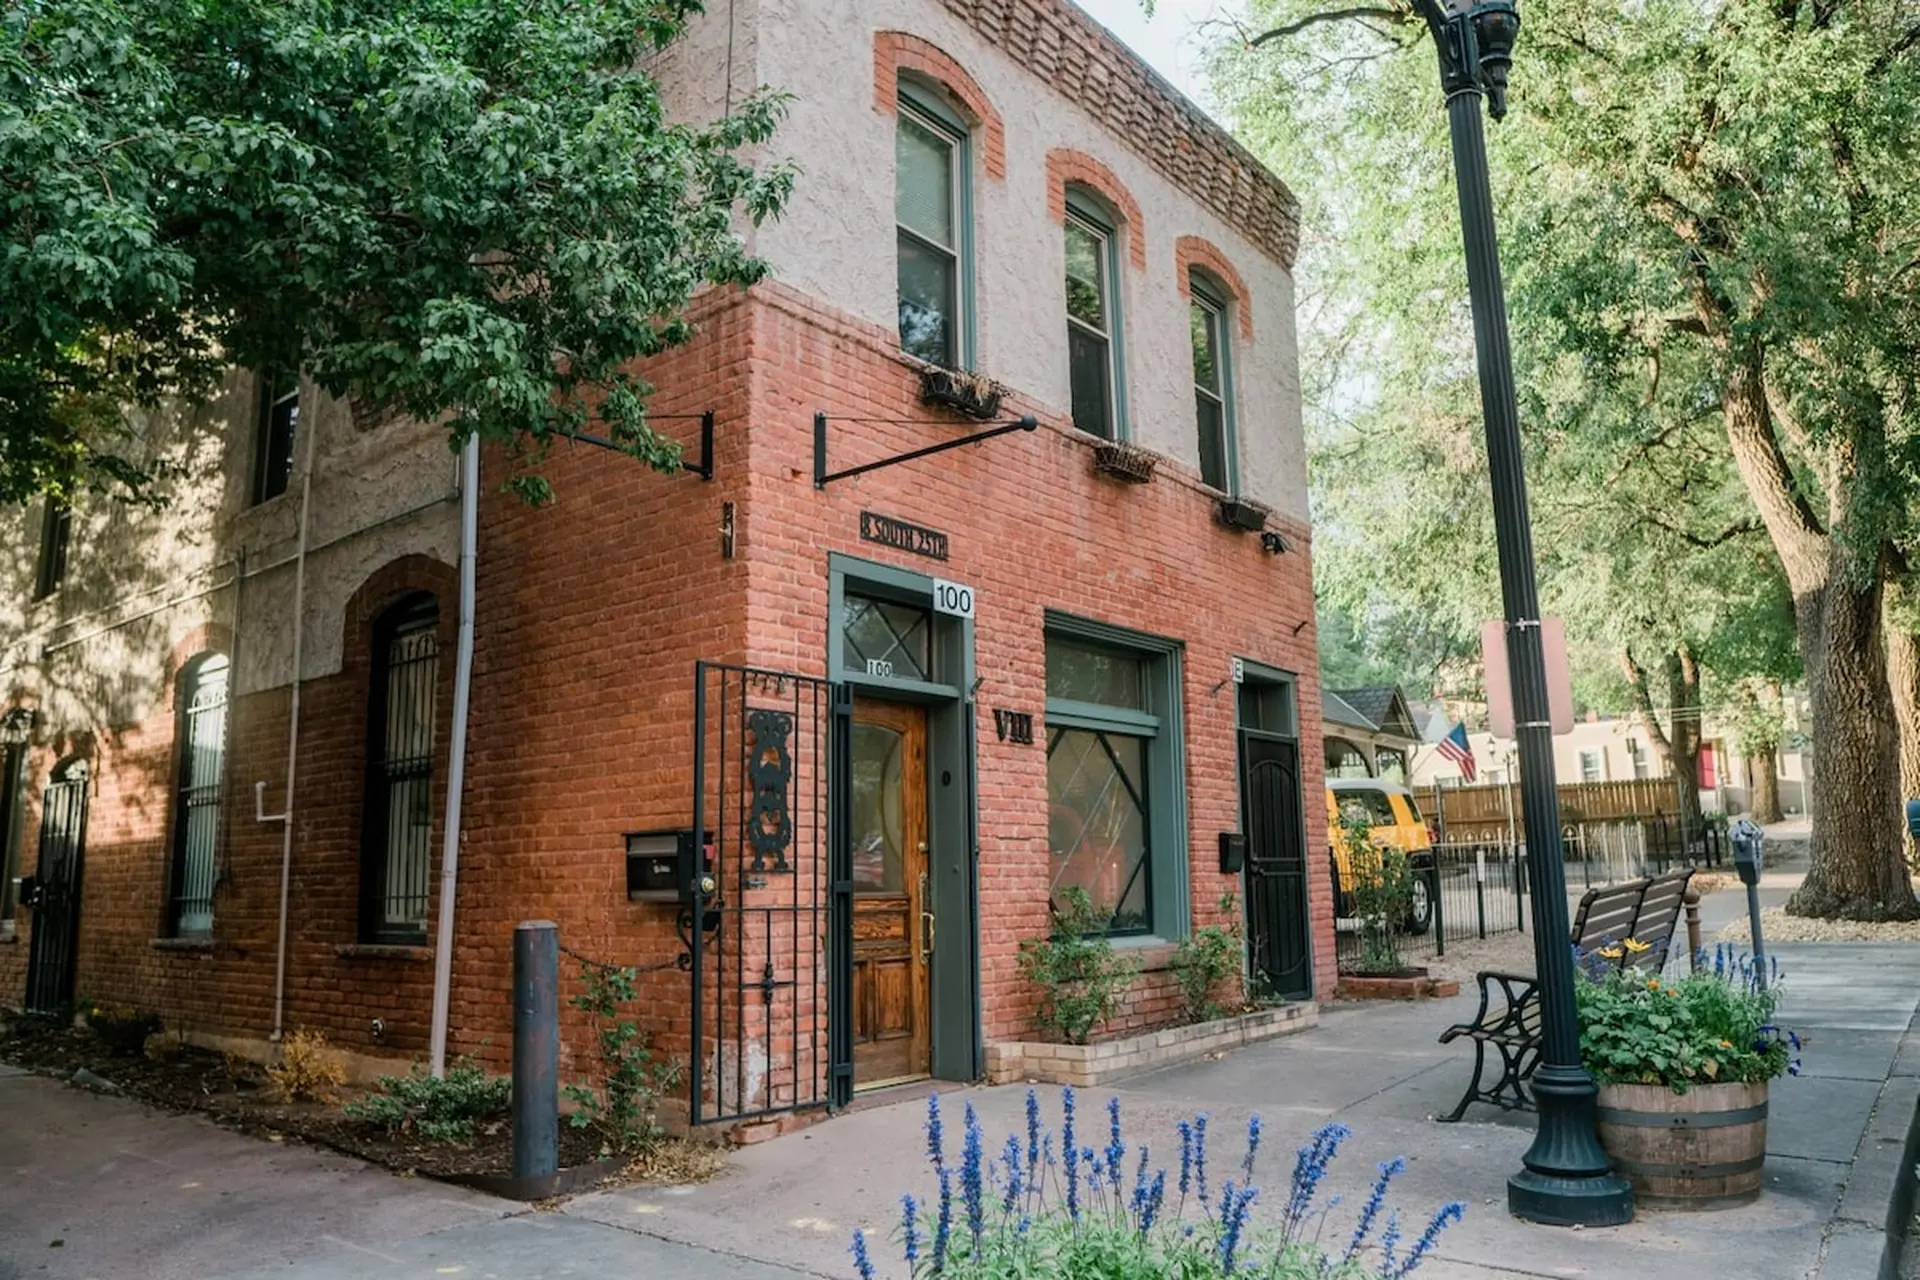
<point>233,1093</point>
<point>1777,926</point>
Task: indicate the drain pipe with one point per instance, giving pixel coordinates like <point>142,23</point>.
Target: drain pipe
<point>457,751</point>
<point>285,817</point>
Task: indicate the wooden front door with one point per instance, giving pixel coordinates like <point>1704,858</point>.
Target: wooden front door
<point>893,932</point>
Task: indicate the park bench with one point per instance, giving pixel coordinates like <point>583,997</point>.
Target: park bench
<point>1648,911</point>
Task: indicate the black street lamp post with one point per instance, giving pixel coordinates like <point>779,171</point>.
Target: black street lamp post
<point>1567,1180</point>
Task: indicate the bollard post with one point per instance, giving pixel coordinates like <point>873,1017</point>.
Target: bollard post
<point>536,1049</point>
<point>1692,899</point>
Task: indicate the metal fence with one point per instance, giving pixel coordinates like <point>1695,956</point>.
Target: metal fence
<point>1478,888</point>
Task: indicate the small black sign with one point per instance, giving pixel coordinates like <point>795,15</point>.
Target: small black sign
<point>902,536</point>
<point>1013,726</point>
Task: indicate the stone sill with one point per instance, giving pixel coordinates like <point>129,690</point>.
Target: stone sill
<point>1087,1065</point>
<point>382,951</point>
<point>181,944</point>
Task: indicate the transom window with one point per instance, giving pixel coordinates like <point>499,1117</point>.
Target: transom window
<point>1212,409</point>
<point>398,847</point>
<point>929,178</point>
<point>273,437</point>
<point>201,752</point>
<point>1091,325</point>
<point>1113,783</point>
<point>883,638</point>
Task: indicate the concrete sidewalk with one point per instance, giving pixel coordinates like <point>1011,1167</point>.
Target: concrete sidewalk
<point>127,1191</point>
<point>1834,1142</point>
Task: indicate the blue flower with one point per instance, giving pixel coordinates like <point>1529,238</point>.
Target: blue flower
<point>1186,1158</point>
<point>1253,1142</point>
<point>943,1224</point>
<point>1033,1134</point>
<point>936,1132</point>
<point>910,1228</point>
<point>970,1181</point>
<point>1200,1155</point>
<point>1364,1229</point>
<point>1156,1196</point>
<point>1011,1157</point>
<point>1441,1221</point>
<point>1233,1216</point>
<point>1309,1167</point>
<point>1390,1240</point>
<point>862,1263</point>
<point>1140,1183</point>
<point>1071,1154</point>
<point>1116,1148</point>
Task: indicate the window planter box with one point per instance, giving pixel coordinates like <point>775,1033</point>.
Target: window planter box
<point>1126,463</point>
<point>1086,1065</point>
<point>968,393</point>
<point>1243,514</point>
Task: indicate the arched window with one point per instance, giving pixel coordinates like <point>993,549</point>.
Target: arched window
<point>397,844</point>
<point>200,748</point>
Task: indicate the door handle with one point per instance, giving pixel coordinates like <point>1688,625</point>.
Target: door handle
<point>926,922</point>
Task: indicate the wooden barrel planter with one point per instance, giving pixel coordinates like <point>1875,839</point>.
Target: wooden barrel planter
<point>1702,1149</point>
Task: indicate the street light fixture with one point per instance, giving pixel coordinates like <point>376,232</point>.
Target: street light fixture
<point>1567,1180</point>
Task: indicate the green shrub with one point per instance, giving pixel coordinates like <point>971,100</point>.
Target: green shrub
<point>1204,960</point>
<point>122,1028</point>
<point>625,1102</point>
<point>1080,978</point>
<point>443,1109</point>
<point>1714,1026</point>
<point>1381,882</point>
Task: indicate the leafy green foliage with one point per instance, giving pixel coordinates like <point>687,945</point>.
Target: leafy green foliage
<point>1206,958</point>
<point>121,1027</point>
<point>623,1103</point>
<point>1080,978</point>
<point>1710,1027</point>
<point>444,1109</point>
<point>466,211</point>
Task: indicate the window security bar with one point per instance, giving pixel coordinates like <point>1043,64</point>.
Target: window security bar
<point>822,477</point>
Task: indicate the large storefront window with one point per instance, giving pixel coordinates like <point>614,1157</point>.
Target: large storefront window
<point>1112,784</point>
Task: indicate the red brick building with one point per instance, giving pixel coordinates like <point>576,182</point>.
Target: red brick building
<point>935,693</point>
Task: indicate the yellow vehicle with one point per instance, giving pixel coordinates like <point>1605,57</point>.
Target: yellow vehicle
<point>1390,810</point>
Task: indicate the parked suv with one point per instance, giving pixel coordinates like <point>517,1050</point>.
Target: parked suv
<point>1396,822</point>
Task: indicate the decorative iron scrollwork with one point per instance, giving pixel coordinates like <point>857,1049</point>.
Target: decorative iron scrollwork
<point>770,770</point>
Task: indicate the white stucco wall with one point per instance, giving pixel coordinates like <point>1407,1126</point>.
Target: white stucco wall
<point>141,582</point>
<point>836,241</point>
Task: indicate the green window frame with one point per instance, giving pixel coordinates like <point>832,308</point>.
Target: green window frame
<point>1144,749</point>
<point>1213,386</point>
<point>1096,320</point>
<point>923,111</point>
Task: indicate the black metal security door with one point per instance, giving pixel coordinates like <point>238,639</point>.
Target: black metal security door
<point>1279,928</point>
<point>56,891</point>
<point>772,949</point>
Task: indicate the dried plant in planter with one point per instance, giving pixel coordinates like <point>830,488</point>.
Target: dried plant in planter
<point>973,394</point>
<point>1125,462</point>
<point>1243,514</point>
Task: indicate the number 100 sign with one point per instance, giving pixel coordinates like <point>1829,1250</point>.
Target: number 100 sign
<point>954,598</point>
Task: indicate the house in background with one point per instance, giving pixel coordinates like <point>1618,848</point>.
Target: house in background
<point>895,710</point>
<point>1370,733</point>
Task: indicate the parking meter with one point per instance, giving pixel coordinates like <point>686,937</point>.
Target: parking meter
<point>1747,839</point>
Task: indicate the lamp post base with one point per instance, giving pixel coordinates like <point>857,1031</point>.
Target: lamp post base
<point>1559,1200</point>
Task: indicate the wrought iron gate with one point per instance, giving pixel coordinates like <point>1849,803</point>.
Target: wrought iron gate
<point>1278,924</point>
<point>56,891</point>
<point>772,945</point>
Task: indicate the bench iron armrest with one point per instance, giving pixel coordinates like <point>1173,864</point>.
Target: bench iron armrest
<point>1519,992</point>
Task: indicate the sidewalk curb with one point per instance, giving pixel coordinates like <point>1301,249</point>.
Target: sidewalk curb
<point>1869,1225</point>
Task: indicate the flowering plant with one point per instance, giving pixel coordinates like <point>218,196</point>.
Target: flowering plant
<point>1057,1208</point>
<point>1713,1026</point>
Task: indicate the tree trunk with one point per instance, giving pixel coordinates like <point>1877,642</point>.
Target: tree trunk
<point>1765,800</point>
<point>1859,871</point>
<point>1903,680</point>
<point>1683,715</point>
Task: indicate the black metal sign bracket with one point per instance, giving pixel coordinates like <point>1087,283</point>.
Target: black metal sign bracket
<point>702,468</point>
<point>822,477</point>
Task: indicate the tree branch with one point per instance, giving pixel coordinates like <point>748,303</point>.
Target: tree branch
<point>1329,15</point>
<point>1643,702</point>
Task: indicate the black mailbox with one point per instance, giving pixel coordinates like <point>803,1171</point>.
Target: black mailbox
<point>1233,853</point>
<point>661,866</point>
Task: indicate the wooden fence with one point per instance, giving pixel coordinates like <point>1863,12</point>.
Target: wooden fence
<point>1497,804</point>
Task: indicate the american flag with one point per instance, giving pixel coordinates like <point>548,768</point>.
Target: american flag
<point>1455,748</point>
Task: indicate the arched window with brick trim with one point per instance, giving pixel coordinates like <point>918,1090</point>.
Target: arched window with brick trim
<point>1096,337</point>
<point>1207,302</point>
<point>397,844</point>
<point>933,204</point>
<point>200,750</point>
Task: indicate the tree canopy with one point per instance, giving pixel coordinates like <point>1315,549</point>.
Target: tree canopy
<point>461,210</point>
